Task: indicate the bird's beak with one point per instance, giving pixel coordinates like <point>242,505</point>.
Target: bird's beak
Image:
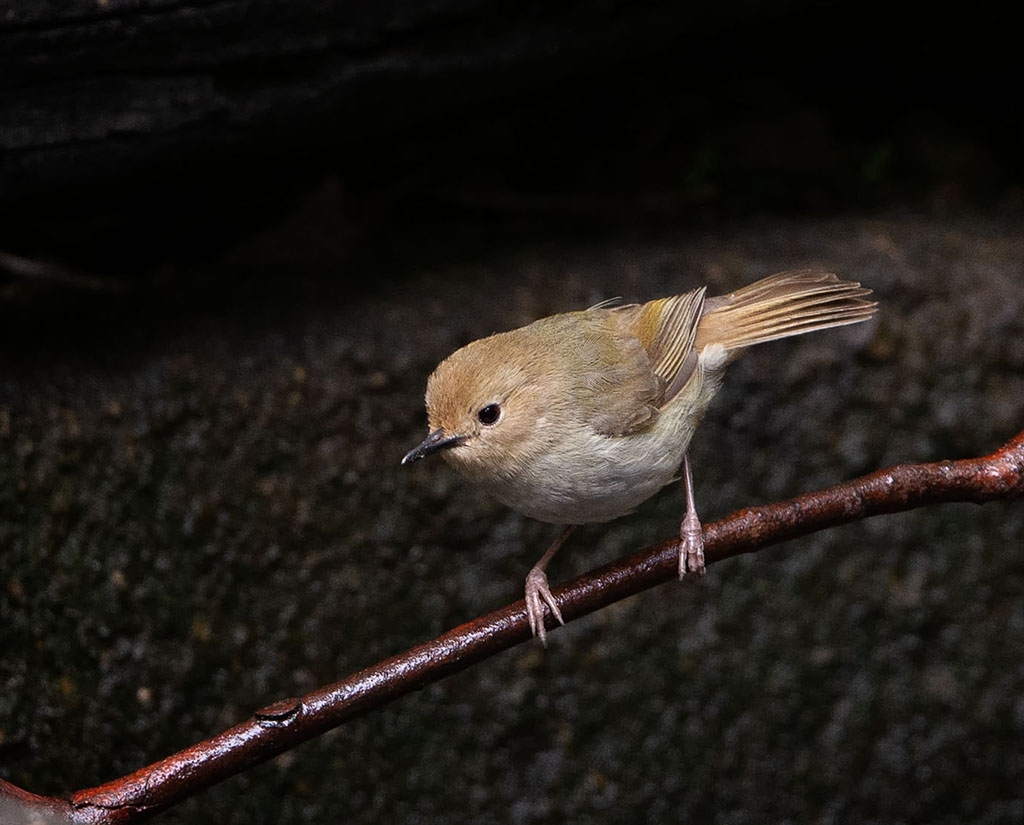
<point>433,443</point>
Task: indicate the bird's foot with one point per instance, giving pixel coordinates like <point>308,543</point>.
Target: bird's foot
<point>538,594</point>
<point>691,546</point>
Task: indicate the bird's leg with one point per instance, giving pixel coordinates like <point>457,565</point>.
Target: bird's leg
<point>538,593</point>
<point>691,545</point>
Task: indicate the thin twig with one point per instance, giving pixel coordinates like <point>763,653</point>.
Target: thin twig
<point>47,272</point>
<point>289,722</point>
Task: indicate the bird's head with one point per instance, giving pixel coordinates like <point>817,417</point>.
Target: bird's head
<point>489,405</point>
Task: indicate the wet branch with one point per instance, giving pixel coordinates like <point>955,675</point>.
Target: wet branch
<point>290,722</point>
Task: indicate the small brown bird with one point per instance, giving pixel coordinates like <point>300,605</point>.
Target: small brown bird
<point>580,417</point>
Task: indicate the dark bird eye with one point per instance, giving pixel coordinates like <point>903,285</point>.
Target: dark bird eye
<point>489,414</point>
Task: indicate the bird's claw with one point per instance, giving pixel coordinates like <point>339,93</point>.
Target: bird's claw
<point>691,546</point>
<point>538,594</point>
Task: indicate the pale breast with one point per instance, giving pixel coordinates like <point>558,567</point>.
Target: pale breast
<point>607,480</point>
<point>584,476</point>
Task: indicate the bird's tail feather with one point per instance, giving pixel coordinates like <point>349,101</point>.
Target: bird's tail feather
<point>789,303</point>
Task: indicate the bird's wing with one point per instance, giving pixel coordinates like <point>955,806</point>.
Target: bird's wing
<point>631,360</point>
<point>613,388</point>
<point>666,329</point>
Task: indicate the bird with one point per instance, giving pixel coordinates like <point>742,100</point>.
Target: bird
<point>579,417</point>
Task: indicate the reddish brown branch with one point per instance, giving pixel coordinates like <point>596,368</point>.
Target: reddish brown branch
<point>287,723</point>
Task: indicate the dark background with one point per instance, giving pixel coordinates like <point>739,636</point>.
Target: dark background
<point>235,238</point>
<point>136,134</point>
